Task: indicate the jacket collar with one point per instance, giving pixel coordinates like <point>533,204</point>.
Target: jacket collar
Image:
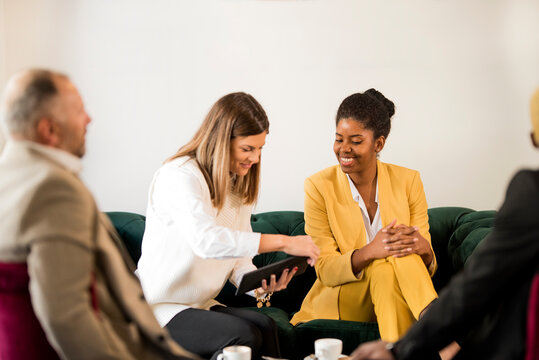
<point>62,158</point>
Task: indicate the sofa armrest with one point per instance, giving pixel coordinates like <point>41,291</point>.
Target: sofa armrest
<point>471,230</point>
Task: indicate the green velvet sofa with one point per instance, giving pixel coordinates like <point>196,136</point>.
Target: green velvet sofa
<point>455,233</point>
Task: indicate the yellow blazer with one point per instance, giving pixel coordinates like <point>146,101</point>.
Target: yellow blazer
<point>335,222</point>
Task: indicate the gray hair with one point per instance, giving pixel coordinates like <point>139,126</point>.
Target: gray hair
<point>28,97</point>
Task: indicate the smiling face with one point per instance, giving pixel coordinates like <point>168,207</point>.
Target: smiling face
<point>245,152</point>
<point>355,146</point>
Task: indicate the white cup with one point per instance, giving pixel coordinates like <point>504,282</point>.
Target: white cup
<point>327,349</point>
<point>235,352</point>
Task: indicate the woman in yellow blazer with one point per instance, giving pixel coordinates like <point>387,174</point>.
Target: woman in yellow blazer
<point>370,268</point>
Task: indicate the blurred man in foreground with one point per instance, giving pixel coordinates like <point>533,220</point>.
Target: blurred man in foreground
<point>82,287</point>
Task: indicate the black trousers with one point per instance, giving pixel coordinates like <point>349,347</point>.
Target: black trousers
<point>206,333</point>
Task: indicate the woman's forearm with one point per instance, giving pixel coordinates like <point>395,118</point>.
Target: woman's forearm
<point>360,259</point>
<point>272,242</point>
<point>300,245</point>
<point>427,257</point>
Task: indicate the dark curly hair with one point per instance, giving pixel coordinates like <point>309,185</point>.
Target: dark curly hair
<point>370,108</point>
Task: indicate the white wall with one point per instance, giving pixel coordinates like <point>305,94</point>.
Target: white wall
<point>460,72</point>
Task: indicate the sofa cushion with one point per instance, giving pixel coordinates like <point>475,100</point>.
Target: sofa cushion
<point>279,222</point>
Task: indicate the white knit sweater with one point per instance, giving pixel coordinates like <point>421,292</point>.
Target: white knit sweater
<point>190,250</point>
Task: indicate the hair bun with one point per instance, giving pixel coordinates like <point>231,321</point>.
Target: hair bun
<point>388,104</point>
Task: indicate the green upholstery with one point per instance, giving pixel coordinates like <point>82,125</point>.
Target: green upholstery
<point>287,223</point>
<point>286,332</point>
<point>455,233</point>
<point>130,227</point>
<point>472,228</point>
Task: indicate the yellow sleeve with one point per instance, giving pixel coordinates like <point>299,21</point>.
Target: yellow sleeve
<point>419,216</point>
<point>332,268</point>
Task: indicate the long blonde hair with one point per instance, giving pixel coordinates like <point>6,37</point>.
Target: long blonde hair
<point>233,115</point>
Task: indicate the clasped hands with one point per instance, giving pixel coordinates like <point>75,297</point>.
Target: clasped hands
<point>400,240</point>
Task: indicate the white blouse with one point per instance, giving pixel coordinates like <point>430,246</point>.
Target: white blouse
<point>371,229</point>
<point>189,249</point>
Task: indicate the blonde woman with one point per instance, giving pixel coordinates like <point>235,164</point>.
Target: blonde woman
<point>198,233</point>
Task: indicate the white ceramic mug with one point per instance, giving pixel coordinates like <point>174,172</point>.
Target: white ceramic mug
<point>327,349</point>
<point>235,352</point>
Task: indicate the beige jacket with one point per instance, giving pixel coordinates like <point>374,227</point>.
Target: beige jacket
<point>49,220</point>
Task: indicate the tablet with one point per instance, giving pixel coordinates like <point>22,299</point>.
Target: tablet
<point>253,279</point>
